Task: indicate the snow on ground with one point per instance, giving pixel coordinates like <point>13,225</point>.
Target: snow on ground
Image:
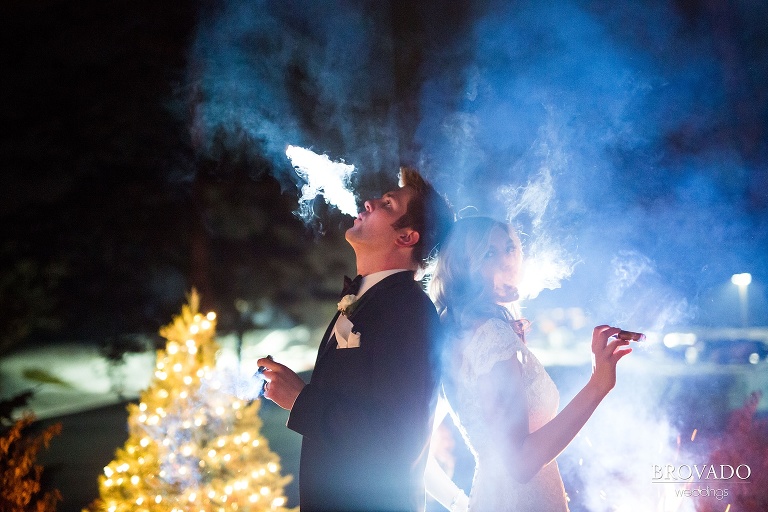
<point>89,380</point>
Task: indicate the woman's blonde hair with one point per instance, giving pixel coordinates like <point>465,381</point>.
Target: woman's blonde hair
<point>457,287</point>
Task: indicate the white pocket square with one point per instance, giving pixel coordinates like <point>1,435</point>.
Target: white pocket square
<point>354,340</point>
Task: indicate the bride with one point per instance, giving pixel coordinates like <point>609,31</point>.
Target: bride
<point>503,401</point>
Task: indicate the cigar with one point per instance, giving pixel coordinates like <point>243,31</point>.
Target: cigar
<point>262,368</point>
<point>260,371</point>
<point>630,336</point>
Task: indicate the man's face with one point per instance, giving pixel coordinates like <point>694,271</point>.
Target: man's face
<point>372,229</point>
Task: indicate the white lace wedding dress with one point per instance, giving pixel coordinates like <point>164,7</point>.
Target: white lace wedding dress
<point>493,488</point>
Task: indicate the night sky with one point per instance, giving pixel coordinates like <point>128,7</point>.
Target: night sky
<point>144,150</point>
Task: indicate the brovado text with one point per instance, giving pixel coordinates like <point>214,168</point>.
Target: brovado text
<point>700,472</point>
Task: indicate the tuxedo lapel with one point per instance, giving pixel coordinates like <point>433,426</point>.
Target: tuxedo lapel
<point>381,287</point>
<point>326,342</point>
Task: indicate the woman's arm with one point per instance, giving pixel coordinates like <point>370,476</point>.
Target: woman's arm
<point>438,484</point>
<point>532,451</point>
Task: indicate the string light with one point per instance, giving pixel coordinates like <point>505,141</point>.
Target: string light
<point>201,426</point>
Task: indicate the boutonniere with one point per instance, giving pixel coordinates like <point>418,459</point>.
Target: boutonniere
<point>347,304</point>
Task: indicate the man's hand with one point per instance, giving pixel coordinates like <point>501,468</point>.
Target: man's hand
<point>283,385</point>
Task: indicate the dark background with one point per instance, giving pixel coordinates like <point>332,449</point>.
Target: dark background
<point>109,214</point>
<point>142,149</point>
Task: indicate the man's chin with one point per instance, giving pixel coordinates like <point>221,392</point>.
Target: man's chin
<point>350,235</point>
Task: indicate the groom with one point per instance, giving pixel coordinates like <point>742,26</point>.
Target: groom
<point>366,414</point>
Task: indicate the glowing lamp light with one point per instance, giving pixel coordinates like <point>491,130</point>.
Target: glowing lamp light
<point>741,280</point>
<point>144,442</point>
<point>676,339</point>
<point>194,329</point>
<point>211,316</point>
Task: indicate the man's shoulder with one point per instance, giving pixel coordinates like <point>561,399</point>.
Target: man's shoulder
<point>403,283</point>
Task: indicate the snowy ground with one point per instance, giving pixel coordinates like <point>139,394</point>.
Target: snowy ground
<point>658,399</point>
<point>91,381</point>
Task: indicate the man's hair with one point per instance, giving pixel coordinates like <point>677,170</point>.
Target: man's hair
<point>427,213</point>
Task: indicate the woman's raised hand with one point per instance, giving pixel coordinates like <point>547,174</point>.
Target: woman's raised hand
<point>606,352</point>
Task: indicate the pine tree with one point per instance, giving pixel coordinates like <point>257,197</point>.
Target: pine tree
<point>20,488</point>
<point>192,445</point>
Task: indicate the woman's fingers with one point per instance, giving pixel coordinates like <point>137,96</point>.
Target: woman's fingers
<point>600,336</point>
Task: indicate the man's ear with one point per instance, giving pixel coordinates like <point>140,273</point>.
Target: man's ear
<point>407,238</point>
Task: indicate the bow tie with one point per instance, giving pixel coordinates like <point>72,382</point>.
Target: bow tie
<point>351,286</point>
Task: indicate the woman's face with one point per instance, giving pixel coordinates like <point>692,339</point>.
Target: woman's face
<point>500,265</point>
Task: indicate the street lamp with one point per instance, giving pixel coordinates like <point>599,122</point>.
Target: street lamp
<point>742,282</point>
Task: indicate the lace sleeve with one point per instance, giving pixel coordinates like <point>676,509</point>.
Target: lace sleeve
<point>492,342</point>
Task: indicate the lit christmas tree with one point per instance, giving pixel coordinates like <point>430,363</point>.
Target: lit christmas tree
<point>192,446</point>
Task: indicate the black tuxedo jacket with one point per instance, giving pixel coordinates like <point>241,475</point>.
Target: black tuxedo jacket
<point>366,414</point>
